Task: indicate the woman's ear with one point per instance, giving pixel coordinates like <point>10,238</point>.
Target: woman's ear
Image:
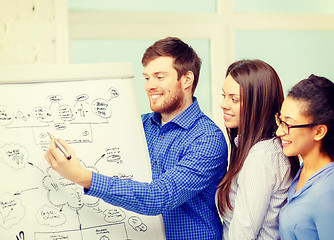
<point>321,131</point>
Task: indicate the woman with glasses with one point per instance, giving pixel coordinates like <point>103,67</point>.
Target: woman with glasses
<point>306,128</point>
<point>256,184</point>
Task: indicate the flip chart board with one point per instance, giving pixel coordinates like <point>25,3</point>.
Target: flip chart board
<point>93,107</point>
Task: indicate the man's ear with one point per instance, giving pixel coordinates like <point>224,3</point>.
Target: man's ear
<point>188,80</point>
<point>321,131</point>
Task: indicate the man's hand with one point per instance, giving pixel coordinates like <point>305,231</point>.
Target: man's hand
<point>69,169</point>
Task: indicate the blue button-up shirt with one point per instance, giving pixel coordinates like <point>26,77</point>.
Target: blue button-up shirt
<point>309,212</point>
<point>188,159</point>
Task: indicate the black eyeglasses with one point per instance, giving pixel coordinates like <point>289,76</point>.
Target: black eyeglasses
<point>286,127</point>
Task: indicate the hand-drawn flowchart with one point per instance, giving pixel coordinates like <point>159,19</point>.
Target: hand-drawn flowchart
<point>99,121</point>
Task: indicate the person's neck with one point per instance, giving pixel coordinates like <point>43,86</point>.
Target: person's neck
<point>314,160</point>
<point>167,117</point>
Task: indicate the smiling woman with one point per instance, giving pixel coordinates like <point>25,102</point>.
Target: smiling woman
<point>255,186</point>
<point>309,111</point>
<point>296,124</point>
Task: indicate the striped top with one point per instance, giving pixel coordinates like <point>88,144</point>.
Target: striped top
<point>257,193</point>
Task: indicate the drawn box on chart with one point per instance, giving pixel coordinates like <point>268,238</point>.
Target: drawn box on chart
<point>75,133</point>
<point>106,232</point>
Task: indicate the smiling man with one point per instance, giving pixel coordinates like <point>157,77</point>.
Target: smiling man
<point>164,89</point>
<point>188,151</point>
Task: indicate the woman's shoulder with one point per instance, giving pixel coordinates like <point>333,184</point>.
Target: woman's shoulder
<point>268,151</point>
<point>324,178</point>
<point>266,160</point>
<point>273,142</point>
<point>267,146</point>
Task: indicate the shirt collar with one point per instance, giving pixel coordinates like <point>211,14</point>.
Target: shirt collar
<point>293,194</point>
<point>315,176</point>
<point>186,118</point>
<point>236,140</point>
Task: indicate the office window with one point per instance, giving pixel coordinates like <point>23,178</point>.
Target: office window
<point>293,36</point>
<point>97,51</point>
<point>284,6</point>
<point>294,54</point>
<point>207,6</point>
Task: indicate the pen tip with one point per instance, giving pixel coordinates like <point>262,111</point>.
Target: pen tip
<point>49,135</point>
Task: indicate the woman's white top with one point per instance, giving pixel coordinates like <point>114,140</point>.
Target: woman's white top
<point>257,193</point>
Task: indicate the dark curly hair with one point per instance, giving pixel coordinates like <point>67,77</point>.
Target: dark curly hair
<point>318,95</point>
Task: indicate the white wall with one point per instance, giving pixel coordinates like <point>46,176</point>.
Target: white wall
<point>33,32</point>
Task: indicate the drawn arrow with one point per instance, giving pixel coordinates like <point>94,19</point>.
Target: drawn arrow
<point>53,103</point>
<point>100,158</point>
<point>78,219</point>
<point>79,223</point>
<point>36,167</point>
<point>29,189</point>
<point>98,210</point>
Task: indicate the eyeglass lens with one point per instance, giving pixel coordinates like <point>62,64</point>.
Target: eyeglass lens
<point>279,122</point>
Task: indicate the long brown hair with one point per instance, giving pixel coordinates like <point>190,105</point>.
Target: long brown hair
<point>261,96</point>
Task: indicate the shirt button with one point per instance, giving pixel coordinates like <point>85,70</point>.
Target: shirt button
<point>160,137</point>
<point>155,162</point>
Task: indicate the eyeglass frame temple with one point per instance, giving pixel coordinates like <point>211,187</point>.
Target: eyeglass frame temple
<point>292,126</point>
